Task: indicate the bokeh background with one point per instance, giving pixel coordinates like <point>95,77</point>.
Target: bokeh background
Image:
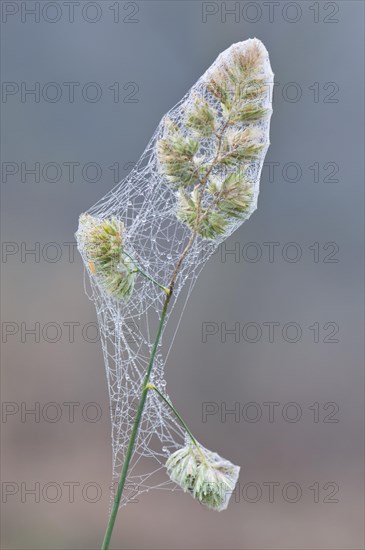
<point>301,483</point>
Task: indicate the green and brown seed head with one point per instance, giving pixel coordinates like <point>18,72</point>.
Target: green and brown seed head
<point>103,242</point>
<point>209,478</point>
<point>229,120</point>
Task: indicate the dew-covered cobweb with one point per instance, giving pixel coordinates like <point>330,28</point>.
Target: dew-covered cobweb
<point>155,239</point>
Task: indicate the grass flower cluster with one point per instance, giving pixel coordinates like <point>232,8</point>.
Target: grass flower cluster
<point>103,241</point>
<point>207,200</point>
<point>209,478</point>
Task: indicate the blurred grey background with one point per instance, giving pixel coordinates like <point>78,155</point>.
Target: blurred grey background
<point>103,73</point>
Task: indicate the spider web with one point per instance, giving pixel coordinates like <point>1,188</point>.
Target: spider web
<point>146,203</point>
